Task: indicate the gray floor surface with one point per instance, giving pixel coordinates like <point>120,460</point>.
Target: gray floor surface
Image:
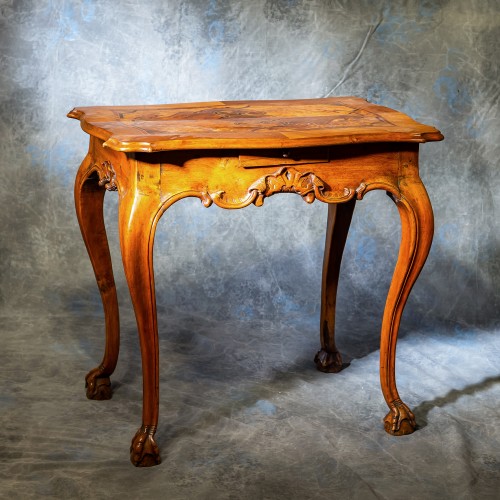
<point>245,415</point>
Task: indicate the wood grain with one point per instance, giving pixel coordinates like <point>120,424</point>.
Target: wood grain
<point>89,197</point>
<point>233,154</point>
<point>329,359</point>
<point>250,124</point>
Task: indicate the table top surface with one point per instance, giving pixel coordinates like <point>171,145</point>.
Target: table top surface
<point>250,124</point>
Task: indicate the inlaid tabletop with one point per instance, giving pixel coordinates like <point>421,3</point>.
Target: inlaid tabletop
<point>250,124</point>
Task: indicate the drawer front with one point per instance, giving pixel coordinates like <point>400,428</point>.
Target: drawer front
<point>282,157</point>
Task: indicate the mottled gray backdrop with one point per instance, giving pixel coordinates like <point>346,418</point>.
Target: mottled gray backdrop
<point>238,291</point>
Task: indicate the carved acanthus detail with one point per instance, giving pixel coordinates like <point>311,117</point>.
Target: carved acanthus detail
<point>285,180</point>
<point>107,175</point>
<point>289,180</point>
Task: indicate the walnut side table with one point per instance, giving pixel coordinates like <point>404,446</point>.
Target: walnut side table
<point>233,154</point>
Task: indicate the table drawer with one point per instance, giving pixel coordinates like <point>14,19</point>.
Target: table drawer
<point>281,157</point>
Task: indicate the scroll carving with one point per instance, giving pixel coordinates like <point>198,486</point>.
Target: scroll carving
<point>286,180</point>
<point>107,175</point>
<point>289,180</point>
<point>391,190</point>
<point>360,191</point>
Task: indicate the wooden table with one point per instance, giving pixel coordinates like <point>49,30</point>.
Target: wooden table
<point>233,154</point>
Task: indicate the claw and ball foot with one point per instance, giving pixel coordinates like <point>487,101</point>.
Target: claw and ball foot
<point>328,362</point>
<point>144,451</point>
<point>400,420</point>
<point>98,386</point>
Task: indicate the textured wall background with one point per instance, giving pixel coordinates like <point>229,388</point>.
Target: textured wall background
<point>435,60</point>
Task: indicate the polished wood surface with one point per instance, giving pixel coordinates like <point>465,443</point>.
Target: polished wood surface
<point>250,124</point>
<point>232,155</point>
<point>89,198</point>
<point>328,359</point>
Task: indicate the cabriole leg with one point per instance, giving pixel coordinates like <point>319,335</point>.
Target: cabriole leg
<point>89,197</point>
<point>328,359</point>
<point>137,221</point>
<point>417,226</point>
